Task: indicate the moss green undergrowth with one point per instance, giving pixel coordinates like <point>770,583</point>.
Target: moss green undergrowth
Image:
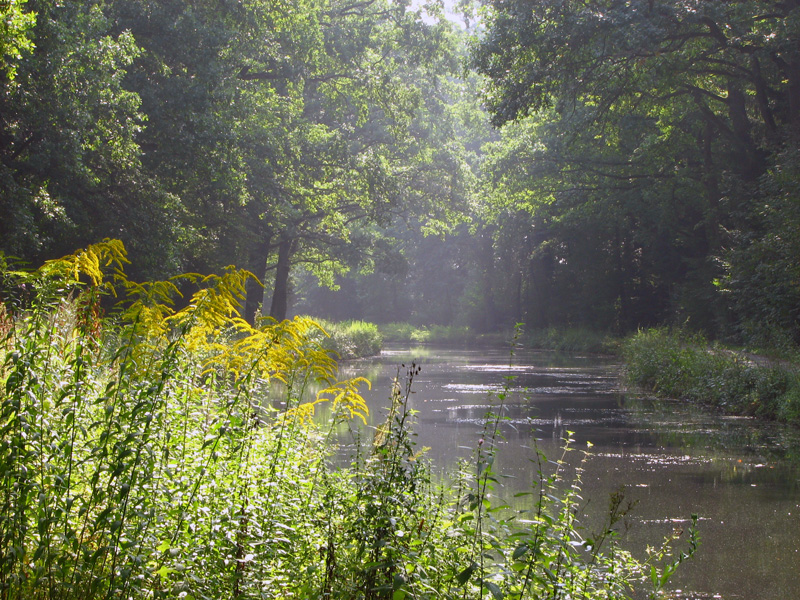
<point>141,456</point>
<point>686,366</point>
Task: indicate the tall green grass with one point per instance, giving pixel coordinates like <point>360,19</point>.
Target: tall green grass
<point>401,332</point>
<point>433,334</point>
<point>686,366</point>
<point>141,456</point>
<point>351,339</point>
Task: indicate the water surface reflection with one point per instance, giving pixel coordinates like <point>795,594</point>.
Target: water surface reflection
<point>741,477</point>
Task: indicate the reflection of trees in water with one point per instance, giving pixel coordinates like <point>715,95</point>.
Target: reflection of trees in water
<point>676,424</point>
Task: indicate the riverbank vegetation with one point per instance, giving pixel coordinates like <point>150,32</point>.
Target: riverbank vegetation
<point>570,339</point>
<point>688,366</point>
<point>567,339</point>
<point>142,455</point>
<point>350,339</point>
<point>407,333</point>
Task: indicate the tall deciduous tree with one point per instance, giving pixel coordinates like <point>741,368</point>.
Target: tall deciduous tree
<point>361,146</point>
<point>278,128</point>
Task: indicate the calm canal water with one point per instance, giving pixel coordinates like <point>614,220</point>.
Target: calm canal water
<point>740,476</point>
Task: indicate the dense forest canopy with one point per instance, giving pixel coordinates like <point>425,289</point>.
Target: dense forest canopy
<point>262,134</point>
<point>652,145</point>
<point>608,163</point>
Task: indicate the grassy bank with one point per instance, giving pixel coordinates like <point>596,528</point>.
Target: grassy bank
<point>683,366</point>
<point>141,456</point>
<point>351,339</point>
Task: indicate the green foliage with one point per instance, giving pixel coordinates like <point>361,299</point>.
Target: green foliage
<point>14,39</point>
<point>143,456</point>
<point>652,181</point>
<point>351,339</point>
<point>118,439</point>
<point>679,365</point>
<point>70,160</point>
<point>571,339</point>
<point>205,134</point>
<point>448,334</point>
<point>399,332</point>
<point>434,334</point>
<point>762,279</point>
<point>640,180</point>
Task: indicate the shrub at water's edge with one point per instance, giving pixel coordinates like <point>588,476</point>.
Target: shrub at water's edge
<point>406,333</point>
<point>684,366</point>
<point>143,456</point>
<point>351,339</point>
<point>570,339</point>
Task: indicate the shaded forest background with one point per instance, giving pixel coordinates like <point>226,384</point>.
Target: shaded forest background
<point>610,164</point>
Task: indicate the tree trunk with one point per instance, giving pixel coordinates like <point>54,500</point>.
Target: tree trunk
<point>540,277</point>
<point>621,276</point>
<point>488,268</point>
<point>711,185</point>
<point>750,162</point>
<point>794,95</point>
<point>762,97</point>
<point>280,295</point>
<point>257,264</point>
